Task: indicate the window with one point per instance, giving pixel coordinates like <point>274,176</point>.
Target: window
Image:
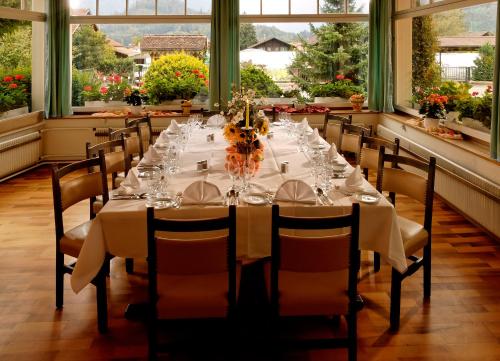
<point>141,7</point>
<point>448,53</point>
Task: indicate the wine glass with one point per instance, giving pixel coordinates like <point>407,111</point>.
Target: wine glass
<point>248,171</point>
<point>233,170</point>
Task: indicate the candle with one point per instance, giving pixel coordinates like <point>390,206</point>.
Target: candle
<point>247,123</point>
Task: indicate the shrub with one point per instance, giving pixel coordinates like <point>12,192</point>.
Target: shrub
<point>255,78</point>
<point>175,76</point>
<point>478,108</point>
<point>85,86</point>
<point>485,64</point>
<point>15,90</point>
<point>342,87</point>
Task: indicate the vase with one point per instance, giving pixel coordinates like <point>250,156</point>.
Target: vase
<point>357,105</point>
<point>430,123</point>
<point>186,107</point>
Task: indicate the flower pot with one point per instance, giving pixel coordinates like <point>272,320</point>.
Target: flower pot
<point>100,103</point>
<point>453,117</point>
<point>186,107</point>
<point>357,105</point>
<point>430,123</point>
<point>14,112</point>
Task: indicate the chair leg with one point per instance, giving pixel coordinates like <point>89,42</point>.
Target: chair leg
<point>395,299</point>
<point>129,265</point>
<point>102,302</point>
<point>352,324</point>
<point>376,261</point>
<point>59,280</point>
<point>427,272</point>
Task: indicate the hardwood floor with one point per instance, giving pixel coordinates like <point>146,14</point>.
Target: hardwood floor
<point>461,322</point>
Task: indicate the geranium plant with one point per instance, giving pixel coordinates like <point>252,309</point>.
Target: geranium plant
<point>175,76</point>
<point>434,106</point>
<point>14,91</point>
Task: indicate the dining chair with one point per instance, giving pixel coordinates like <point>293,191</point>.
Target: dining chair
<point>145,130</point>
<point>415,236</point>
<point>317,275</point>
<point>368,160</point>
<point>190,278</point>
<point>350,139</point>
<point>77,188</point>
<point>331,127</point>
<point>133,142</point>
<point>271,114</point>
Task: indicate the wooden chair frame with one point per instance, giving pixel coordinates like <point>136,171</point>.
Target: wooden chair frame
<point>356,130</point>
<point>139,122</point>
<point>417,262</point>
<point>337,118</point>
<point>351,220</point>
<point>61,267</point>
<point>125,133</point>
<point>200,225</point>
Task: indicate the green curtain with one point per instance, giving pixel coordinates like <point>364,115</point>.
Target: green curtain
<point>380,86</point>
<point>224,50</point>
<point>495,112</point>
<point>58,62</point>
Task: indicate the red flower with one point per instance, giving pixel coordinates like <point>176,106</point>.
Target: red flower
<point>196,71</point>
<point>13,86</point>
<point>117,78</point>
<point>178,74</point>
<point>340,77</point>
<point>19,77</point>
<point>87,88</point>
<point>474,94</point>
<point>103,90</point>
<point>143,91</point>
<point>8,79</point>
<point>201,76</point>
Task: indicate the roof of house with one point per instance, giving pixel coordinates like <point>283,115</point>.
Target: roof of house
<point>268,40</point>
<point>466,41</point>
<point>174,42</point>
<point>121,49</point>
<point>79,12</point>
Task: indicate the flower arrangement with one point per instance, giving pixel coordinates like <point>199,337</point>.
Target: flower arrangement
<point>14,91</point>
<point>434,106</point>
<point>135,96</point>
<point>243,129</point>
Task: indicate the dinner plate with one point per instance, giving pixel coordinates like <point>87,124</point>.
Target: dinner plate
<point>256,199</point>
<point>368,198</point>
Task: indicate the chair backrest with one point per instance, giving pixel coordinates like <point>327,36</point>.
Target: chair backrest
<point>396,180</point>
<point>114,154</point>
<point>144,128</point>
<point>350,138</point>
<point>334,252</point>
<point>171,256</point>
<point>370,146</point>
<point>271,114</point>
<point>87,186</point>
<point>133,140</point>
<point>332,127</point>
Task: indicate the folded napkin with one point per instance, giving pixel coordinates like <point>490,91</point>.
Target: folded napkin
<point>295,190</point>
<point>130,185</point>
<point>174,127</point>
<point>304,124</point>
<point>315,138</point>
<point>151,156</point>
<point>163,137</point>
<point>216,120</point>
<point>332,152</point>
<point>202,192</point>
<point>354,182</point>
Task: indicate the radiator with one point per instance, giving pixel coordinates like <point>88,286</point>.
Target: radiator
<point>19,153</point>
<point>474,196</point>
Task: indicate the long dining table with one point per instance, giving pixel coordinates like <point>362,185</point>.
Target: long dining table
<point>120,228</point>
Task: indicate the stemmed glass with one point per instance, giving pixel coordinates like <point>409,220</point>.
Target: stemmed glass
<point>233,170</point>
<point>248,171</point>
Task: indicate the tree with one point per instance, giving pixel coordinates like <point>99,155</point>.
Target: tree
<point>15,49</point>
<point>449,23</point>
<point>248,36</point>
<point>425,70</point>
<point>255,77</point>
<point>485,64</point>
<point>6,25</point>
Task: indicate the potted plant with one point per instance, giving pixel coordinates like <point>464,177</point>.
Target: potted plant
<point>175,76</point>
<point>357,101</point>
<point>341,89</point>
<point>14,95</point>
<point>433,107</point>
<point>136,98</point>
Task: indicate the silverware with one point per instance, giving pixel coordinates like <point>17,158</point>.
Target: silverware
<point>128,196</point>
<point>324,196</point>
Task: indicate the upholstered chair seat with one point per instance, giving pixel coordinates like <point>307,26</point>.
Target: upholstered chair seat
<point>72,241</point>
<point>414,235</point>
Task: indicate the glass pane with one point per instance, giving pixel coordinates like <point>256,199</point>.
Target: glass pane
<point>83,7</point>
<point>11,3</point>
<point>15,64</point>
<point>113,7</point>
<point>331,6</point>
<point>169,7</point>
<point>359,6</point>
<point>274,6</point>
<point>301,7</point>
<point>249,7</point>
<point>423,2</point>
<point>141,7</point>
<point>199,7</point>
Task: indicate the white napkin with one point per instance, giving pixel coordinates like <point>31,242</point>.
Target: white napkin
<point>216,120</point>
<point>151,156</point>
<point>304,124</point>
<point>295,190</point>
<point>174,127</point>
<point>315,138</point>
<point>332,152</point>
<point>130,185</point>
<point>163,137</point>
<point>354,182</point>
<point>202,192</point>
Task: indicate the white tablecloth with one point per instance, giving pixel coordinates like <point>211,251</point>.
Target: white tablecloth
<point>120,227</point>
